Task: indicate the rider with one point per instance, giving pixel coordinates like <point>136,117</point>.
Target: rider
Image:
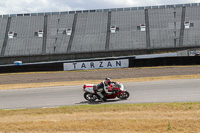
<point>103,86</point>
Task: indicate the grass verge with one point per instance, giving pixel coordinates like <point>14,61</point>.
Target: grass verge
<point>148,118</point>
<point>69,83</point>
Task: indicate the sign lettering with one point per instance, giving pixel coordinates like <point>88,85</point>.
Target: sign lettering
<point>100,65</point>
<point>123,63</point>
<point>92,65</point>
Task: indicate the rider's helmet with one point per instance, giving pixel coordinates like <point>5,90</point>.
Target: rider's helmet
<point>107,81</point>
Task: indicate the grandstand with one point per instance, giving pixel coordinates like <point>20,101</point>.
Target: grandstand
<point>33,37</point>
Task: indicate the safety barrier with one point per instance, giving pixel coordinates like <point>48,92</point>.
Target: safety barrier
<point>132,62</point>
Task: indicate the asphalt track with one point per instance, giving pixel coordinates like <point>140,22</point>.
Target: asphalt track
<point>187,90</point>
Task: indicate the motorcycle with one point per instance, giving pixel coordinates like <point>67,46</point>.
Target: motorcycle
<point>91,92</point>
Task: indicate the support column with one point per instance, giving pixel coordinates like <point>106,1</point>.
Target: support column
<point>5,37</point>
<point>148,43</point>
<point>44,35</point>
<point>72,34</point>
<point>108,31</point>
<point>182,27</point>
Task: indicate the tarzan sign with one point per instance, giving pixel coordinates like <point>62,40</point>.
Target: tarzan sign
<point>96,65</point>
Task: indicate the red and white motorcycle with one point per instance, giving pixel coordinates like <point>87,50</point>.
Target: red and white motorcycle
<point>91,92</point>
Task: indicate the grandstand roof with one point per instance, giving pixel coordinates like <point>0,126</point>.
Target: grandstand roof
<point>102,10</point>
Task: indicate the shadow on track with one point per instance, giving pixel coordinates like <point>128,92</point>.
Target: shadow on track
<point>98,102</point>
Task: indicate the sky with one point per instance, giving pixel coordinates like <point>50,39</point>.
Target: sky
<point>37,6</point>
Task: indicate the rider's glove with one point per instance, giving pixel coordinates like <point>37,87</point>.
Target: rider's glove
<point>113,92</point>
<point>116,91</point>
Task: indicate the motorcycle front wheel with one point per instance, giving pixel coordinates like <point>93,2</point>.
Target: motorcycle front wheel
<point>124,96</point>
<point>90,97</point>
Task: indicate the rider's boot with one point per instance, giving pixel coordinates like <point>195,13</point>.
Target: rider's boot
<point>101,97</point>
<point>104,99</point>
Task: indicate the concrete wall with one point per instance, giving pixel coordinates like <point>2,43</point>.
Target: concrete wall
<point>83,55</point>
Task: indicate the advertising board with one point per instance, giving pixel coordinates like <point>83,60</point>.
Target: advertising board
<point>121,63</point>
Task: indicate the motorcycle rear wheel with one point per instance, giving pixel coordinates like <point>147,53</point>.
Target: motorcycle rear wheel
<point>90,97</point>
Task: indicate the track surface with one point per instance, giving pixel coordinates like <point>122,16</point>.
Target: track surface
<point>187,90</point>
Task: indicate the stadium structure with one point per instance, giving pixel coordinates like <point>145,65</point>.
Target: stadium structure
<point>53,36</point>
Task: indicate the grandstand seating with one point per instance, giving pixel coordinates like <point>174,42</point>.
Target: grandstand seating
<point>90,33</point>
<point>192,35</point>
<point>165,27</point>
<point>26,43</point>
<point>90,30</point>
<point>128,37</point>
<point>57,40</point>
